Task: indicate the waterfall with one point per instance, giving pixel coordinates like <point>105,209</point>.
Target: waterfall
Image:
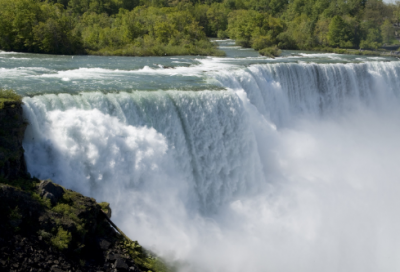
<point>87,139</point>
<point>293,167</point>
<point>285,90</point>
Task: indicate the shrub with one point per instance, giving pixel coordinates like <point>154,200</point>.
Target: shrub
<point>62,239</point>
<point>9,96</point>
<point>222,34</point>
<point>261,42</point>
<point>271,52</point>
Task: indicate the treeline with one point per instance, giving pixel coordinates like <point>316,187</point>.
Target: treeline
<point>178,27</point>
<point>109,27</point>
<point>303,24</point>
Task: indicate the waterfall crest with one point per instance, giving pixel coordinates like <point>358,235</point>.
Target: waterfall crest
<point>285,90</point>
<point>292,168</point>
<point>207,135</point>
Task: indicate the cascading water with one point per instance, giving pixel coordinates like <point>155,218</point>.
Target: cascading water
<point>292,168</point>
<point>283,91</point>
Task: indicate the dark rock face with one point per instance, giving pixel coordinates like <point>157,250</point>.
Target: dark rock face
<point>120,264</point>
<point>27,235</point>
<point>12,129</point>
<point>23,254</point>
<point>51,191</point>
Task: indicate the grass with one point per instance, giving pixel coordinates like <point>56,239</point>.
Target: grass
<point>9,96</point>
<point>379,52</point>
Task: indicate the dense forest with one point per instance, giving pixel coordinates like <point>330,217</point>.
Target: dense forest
<point>178,27</point>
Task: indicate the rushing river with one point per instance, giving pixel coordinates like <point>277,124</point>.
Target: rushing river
<point>241,163</point>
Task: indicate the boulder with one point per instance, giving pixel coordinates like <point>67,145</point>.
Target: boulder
<point>103,244</point>
<point>121,265</point>
<point>51,191</point>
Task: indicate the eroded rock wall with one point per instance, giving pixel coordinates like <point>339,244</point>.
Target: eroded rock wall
<point>12,129</point>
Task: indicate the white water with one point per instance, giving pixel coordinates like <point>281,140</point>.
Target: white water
<point>294,168</point>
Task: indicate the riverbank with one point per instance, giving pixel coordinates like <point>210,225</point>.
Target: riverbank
<point>203,49</point>
<point>359,52</point>
<point>46,227</point>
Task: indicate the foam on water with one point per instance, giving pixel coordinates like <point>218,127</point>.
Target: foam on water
<point>292,168</point>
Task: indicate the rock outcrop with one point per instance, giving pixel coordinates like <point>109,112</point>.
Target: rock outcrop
<point>12,129</point>
<point>69,235</point>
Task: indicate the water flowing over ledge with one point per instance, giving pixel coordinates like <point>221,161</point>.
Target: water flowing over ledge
<point>285,90</point>
<point>278,172</point>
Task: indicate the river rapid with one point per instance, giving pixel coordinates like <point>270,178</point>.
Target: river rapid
<point>241,163</point>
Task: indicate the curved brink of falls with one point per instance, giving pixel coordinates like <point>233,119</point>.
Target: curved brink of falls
<point>270,169</point>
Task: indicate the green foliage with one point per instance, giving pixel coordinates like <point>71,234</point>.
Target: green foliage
<point>300,31</point>
<point>69,207</point>
<point>339,34</point>
<point>106,27</point>
<point>24,184</point>
<point>178,27</point>
<point>373,40</point>
<point>270,52</point>
<point>144,259</point>
<point>388,32</point>
<point>9,96</point>
<point>45,202</point>
<point>46,235</point>
<point>62,239</point>
<point>105,206</point>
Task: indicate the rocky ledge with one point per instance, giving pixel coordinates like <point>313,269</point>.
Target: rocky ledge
<point>46,227</point>
<point>50,228</point>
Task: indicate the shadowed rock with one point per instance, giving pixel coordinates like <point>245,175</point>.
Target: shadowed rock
<point>51,191</point>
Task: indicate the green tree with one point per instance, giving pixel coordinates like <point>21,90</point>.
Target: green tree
<point>340,34</point>
<point>217,17</point>
<point>276,6</point>
<point>373,40</point>
<point>387,31</point>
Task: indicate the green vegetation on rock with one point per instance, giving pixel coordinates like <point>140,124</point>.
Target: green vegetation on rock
<point>144,258</point>
<point>12,128</point>
<point>62,239</point>
<point>270,51</point>
<point>72,225</point>
<point>9,96</point>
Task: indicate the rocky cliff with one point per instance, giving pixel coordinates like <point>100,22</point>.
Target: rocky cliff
<point>12,128</point>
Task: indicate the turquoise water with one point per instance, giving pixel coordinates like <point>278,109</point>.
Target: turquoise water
<point>31,74</point>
